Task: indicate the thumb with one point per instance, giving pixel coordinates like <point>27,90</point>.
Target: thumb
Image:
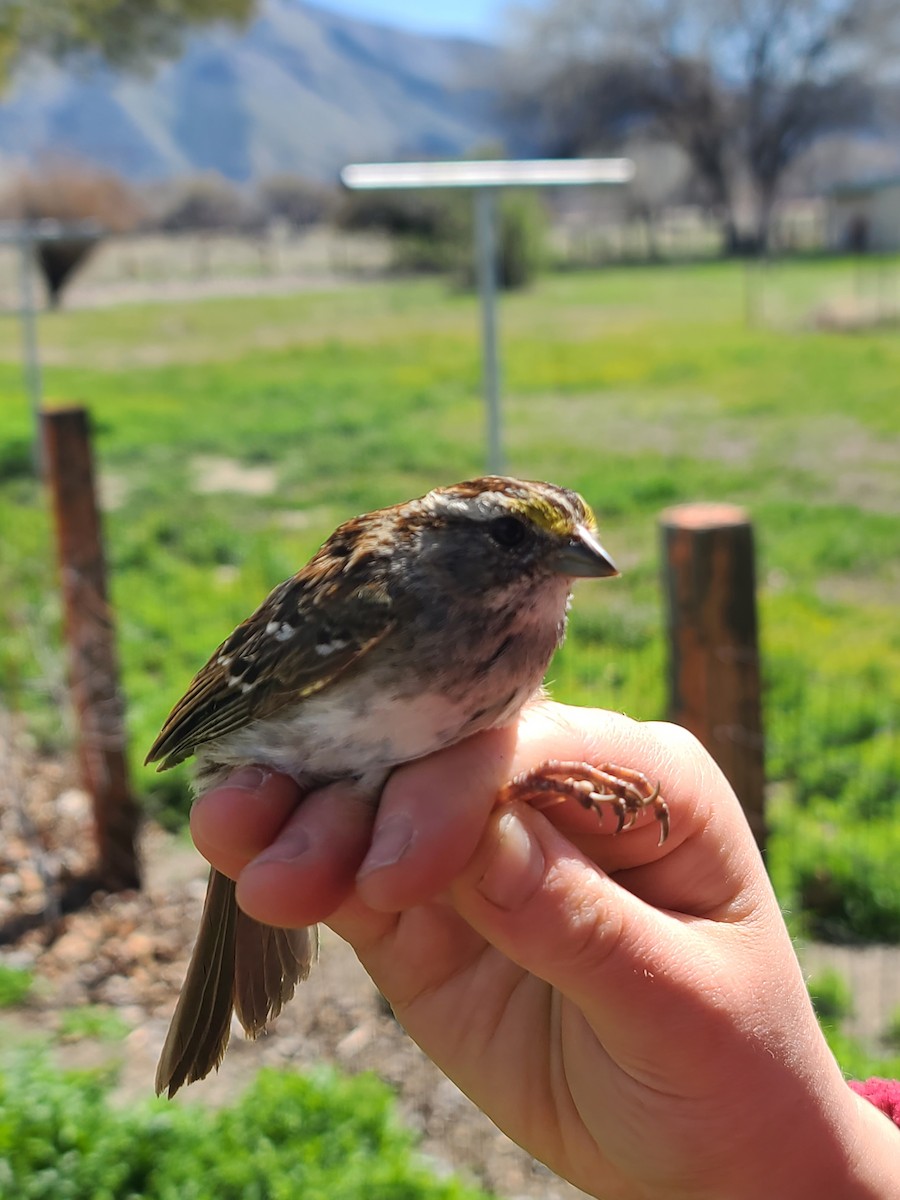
<point>540,901</point>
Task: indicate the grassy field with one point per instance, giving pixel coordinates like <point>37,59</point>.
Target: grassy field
<point>233,434</point>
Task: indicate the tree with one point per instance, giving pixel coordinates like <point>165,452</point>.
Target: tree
<point>298,201</point>
<point>205,203</point>
<point>122,32</point>
<point>743,87</point>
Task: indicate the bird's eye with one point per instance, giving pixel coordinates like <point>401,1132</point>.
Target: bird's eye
<point>507,532</point>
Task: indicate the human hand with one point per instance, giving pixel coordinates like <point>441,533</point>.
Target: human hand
<point>633,1015</point>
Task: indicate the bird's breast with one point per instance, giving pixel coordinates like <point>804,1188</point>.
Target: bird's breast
<point>412,695</point>
<point>348,731</point>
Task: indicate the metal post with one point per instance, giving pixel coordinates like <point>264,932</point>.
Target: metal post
<point>31,360</point>
<point>482,177</point>
<point>486,267</point>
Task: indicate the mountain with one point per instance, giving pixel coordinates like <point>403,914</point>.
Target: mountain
<point>300,89</point>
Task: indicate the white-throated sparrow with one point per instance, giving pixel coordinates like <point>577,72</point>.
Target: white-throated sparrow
<point>411,628</point>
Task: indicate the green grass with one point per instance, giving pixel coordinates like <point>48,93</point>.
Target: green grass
<point>641,388</point>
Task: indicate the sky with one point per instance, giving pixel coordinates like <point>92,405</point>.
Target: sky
<point>471,18</point>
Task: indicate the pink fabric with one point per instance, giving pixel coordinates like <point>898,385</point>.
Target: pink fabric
<point>883,1093</point>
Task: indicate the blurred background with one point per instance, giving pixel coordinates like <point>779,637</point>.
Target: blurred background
<point>263,354</point>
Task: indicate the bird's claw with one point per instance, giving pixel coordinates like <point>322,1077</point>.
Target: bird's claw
<point>628,791</point>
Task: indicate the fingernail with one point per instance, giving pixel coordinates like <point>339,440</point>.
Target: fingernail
<point>248,779</point>
<point>292,843</point>
<point>516,866</point>
<point>392,839</point>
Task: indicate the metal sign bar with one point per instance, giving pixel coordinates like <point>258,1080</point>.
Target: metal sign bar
<point>482,177</point>
<point>479,173</point>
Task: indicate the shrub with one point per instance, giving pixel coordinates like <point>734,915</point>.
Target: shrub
<point>298,201</point>
<point>891,1035</point>
<point>833,1002</point>
<point>831,997</point>
<point>521,239</point>
<point>434,231</point>
<point>839,873</point>
<point>70,192</point>
<point>15,984</point>
<point>16,459</point>
<point>96,1021</point>
<point>411,214</point>
<point>205,203</point>
<point>519,233</point>
<point>289,1135</point>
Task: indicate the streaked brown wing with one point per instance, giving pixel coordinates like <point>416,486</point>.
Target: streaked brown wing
<point>306,633</point>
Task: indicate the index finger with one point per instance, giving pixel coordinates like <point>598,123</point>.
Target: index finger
<point>237,820</point>
<point>446,798</point>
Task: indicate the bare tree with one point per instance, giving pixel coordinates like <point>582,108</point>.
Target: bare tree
<point>298,201</point>
<point>205,203</point>
<point>743,87</point>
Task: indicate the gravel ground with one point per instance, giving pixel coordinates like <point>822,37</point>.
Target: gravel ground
<point>130,951</point>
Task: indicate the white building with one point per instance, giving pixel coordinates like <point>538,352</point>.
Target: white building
<point>864,216</point>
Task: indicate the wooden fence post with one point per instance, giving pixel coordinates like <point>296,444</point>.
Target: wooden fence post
<point>90,637</point>
<point>714,676</point>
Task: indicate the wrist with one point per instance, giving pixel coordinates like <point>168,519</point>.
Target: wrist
<point>852,1152</point>
<point>877,1166</point>
<point>829,1143</point>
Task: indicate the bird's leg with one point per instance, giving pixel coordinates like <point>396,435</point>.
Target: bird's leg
<point>628,792</point>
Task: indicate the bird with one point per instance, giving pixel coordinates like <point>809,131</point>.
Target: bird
<point>411,628</point>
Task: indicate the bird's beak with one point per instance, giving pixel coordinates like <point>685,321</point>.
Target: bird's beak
<point>583,557</point>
